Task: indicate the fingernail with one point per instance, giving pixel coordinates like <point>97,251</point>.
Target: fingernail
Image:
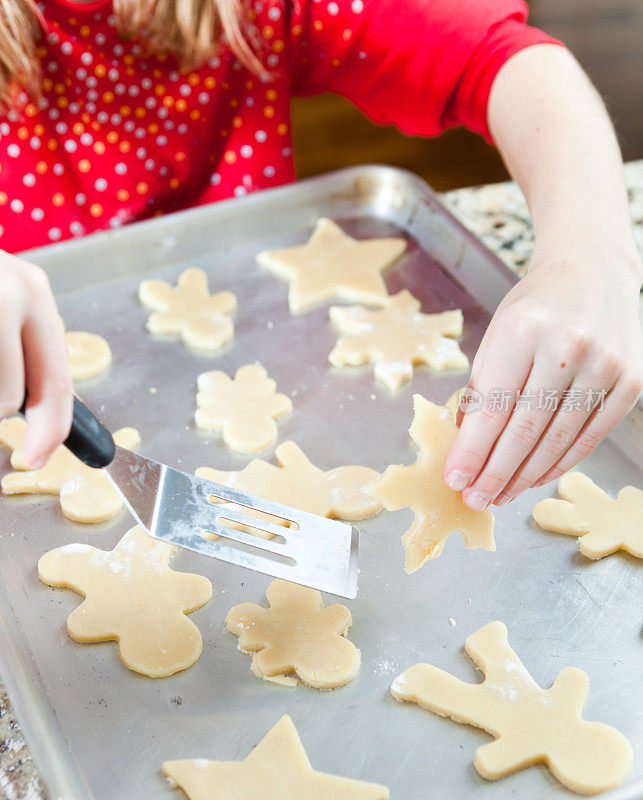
<point>502,499</point>
<point>457,480</point>
<point>477,501</point>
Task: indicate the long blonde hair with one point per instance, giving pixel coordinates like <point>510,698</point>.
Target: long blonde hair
<point>186,29</point>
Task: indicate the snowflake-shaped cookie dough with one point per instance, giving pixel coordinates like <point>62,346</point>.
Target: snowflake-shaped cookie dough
<point>86,494</point>
<point>438,510</point>
<point>277,769</point>
<point>88,353</point>
<point>297,634</point>
<point>331,264</point>
<point>530,725</point>
<point>132,596</point>
<point>396,337</point>
<point>603,524</point>
<point>296,482</point>
<point>244,408</point>
<point>189,310</point>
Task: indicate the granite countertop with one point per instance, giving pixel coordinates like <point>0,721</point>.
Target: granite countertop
<point>498,215</point>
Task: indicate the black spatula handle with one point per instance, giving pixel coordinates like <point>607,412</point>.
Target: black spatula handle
<point>88,439</point>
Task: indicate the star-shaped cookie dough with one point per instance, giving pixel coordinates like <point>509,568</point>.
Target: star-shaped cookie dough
<point>277,769</point>
<point>530,725</point>
<point>396,337</point>
<point>603,524</point>
<point>438,510</point>
<point>189,310</point>
<point>244,408</point>
<point>298,483</point>
<point>297,634</point>
<point>88,353</point>
<point>334,265</point>
<point>86,494</point>
<point>132,596</point>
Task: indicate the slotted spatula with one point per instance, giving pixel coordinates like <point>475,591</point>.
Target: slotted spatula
<point>174,507</point>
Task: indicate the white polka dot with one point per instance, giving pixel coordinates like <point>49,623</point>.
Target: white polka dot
<point>137,50</point>
<point>168,125</point>
<point>100,185</point>
<point>101,39</point>
<point>102,117</point>
<point>141,152</point>
<point>81,74</point>
<point>161,140</point>
<point>261,136</point>
<point>80,199</point>
<point>37,214</point>
<point>269,172</point>
<point>140,133</point>
<point>274,13</point>
<point>150,164</point>
<point>250,102</point>
<point>61,128</point>
<point>272,60</point>
<point>52,66</point>
<point>1,230</point>
<point>55,234</point>
<point>115,222</point>
<point>162,112</point>
<point>119,89</point>
<point>12,115</point>
<point>13,150</point>
<point>129,125</point>
<point>116,119</point>
<point>54,113</point>
<point>29,179</point>
<point>77,228</point>
<point>203,98</point>
<point>240,190</point>
<point>70,146</point>
<point>90,108</point>
<point>246,150</point>
<point>185,90</point>
<point>215,62</point>
<point>362,55</point>
<point>67,48</point>
<point>146,83</point>
<point>5,130</point>
<point>120,168</point>
<point>86,58</point>
<point>58,168</point>
<point>215,179</point>
<point>150,103</point>
<point>286,152</point>
<point>163,171</point>
<point>174,76</point>
<point>53,38</point>
<point>182,128</point>
<point>333,9</point>
<point>16,205</point>
<point>113,74</point>
<point>111,21</point>
<point>35,142</point>
<point>74,108</point>
<point>92,82</point>
<point>357,6</point>
<point>133,91</point>
<point>247,180</point>
<point>118,50</point>
<point>86,139</point>
<point>43,103</point>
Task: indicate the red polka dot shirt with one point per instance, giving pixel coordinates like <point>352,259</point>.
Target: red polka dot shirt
<point>119,135</point>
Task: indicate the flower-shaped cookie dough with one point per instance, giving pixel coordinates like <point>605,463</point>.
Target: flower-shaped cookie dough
<point>337,493</point>
<point>189,310</point>
<point>331,264</point>
<point>438,510</point>
<point>89,354</point>
<point>603,524</point>
<point>297,634</point>
<point>86,494</point>
<point>396,337</point>
<point>244,408</point>
<point>132,596</point>
<point>530,725</point>
<point>277,769</point>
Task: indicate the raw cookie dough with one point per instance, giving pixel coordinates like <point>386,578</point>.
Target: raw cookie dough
<point>133,596</point>
<point>189,310</point>
<point>438,510</point>
<point>397,337</point>
<point>602,523</point>
<point>297,634</point>
<point>531,725</point>
<point>243,407</point>
<point>277,769</point>
<point>89,354</point>
<point>86,494</point>
<point>298,483</point>
<point>334,265</point>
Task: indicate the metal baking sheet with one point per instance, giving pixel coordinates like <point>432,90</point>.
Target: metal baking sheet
<point>100,731</point>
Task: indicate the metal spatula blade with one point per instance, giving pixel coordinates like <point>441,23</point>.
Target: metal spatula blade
<point>174,507</point>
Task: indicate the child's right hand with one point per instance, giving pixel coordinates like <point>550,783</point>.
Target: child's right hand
<point>33,358</point>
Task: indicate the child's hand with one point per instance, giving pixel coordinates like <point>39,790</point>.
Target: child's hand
<point>33,358</point>
<point>568,326</point>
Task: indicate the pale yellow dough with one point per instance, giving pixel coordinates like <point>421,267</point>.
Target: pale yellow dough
<point>189,310</point>
<point>396,337</point>
<point>88,353</point>
<point>531,725</point>
<point>132,596</point>
<point>296,482</point>
<point>86,494</point>
<point>244,408</point>
<point>331,264</point>
<point>603,524</point>
<point>297,634</point>
<point>438,510</point>
<point>277,769</point>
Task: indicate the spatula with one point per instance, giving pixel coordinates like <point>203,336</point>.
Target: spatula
<point>175,507</point>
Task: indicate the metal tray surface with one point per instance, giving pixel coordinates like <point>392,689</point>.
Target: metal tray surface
<point>99,731</point>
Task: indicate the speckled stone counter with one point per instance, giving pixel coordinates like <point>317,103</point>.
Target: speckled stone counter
<point>498,215</point>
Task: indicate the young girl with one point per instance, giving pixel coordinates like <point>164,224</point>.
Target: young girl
<point>117,111</point>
